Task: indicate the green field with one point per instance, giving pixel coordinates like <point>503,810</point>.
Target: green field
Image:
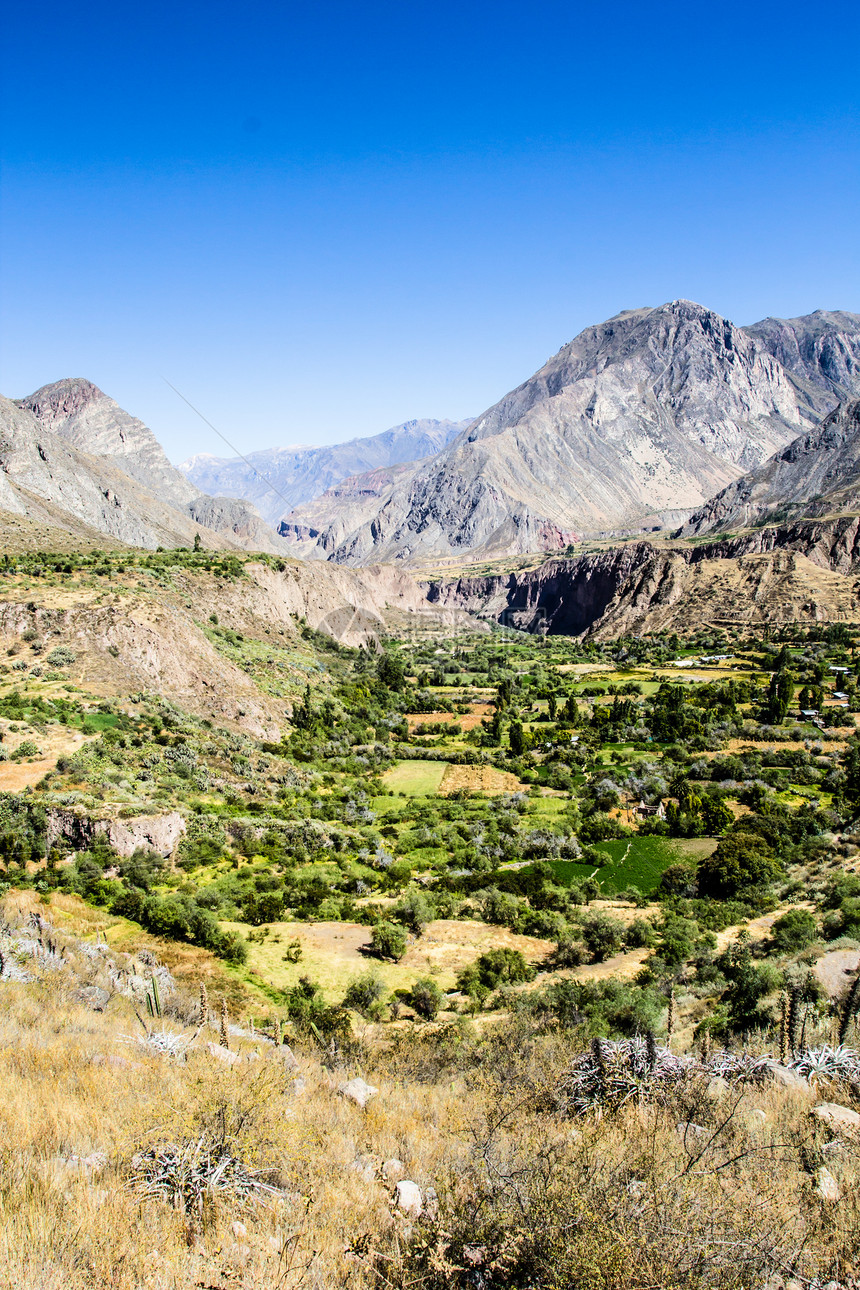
<point>415,778</point>
<point>632,862</point>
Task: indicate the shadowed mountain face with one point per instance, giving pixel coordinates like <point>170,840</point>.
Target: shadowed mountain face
<point>279,479</point>
<point>632,425</point>
<point>89,462</point>
<point>817,474</point>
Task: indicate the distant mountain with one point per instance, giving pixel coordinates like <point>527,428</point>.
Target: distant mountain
<point>817,474</point>
<point>633,424</point>
<point>70,456</point>
<point>278,479</point>
<point>820,351</point>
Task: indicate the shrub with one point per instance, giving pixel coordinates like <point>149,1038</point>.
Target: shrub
<point>61,656</point>
<point>425,998</point>
<point>603,936</point>
<point>794,930</point>
<point>415,910</point>
<point>364,992</point>
<point>388,941</point>
<point>741,862</point>
<point>495,968</point>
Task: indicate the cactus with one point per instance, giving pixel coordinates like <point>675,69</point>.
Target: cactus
<point>153,998</point>
<point>225,1034</point>
<point>794,1020</point>
<point>849,1008</point>
<point>670,1019</point>
<point>204,1004</point>
<point>784,1053</point>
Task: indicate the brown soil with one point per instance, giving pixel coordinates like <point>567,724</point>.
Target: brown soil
<point>836,970</point>
<point>478,779</point>
<point>56,741</point>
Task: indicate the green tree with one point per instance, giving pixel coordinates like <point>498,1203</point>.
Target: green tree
<point>517,739</point>
<point>741,863</point>
<point>425,998</point>
<point>388,941</point>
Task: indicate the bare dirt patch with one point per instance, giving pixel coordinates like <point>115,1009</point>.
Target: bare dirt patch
<point>53,743</point>
<point>836,970</point>
<point>478,779</point>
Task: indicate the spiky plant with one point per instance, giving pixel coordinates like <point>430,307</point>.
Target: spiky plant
<point>225,1034</point>
<point>849,1008</point>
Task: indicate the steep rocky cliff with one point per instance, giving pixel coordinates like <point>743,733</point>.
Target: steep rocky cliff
<point>631,425</point>
<point>797,573</point>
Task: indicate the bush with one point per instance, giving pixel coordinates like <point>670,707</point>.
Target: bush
<point>388,941</point>
<point>414,910</point>
<point>603,936</point>
<point>425,998</point>
<point>794,931</point>
<point>742,862</point>
<point>61,656</point>
<point>495,968</point>
<point>363,993</point>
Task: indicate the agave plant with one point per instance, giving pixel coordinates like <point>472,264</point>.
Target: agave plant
<point>613,1073</point>
<point>189,1174</point>
<point>829,1062</point>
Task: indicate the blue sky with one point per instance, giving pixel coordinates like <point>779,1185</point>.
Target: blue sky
<point>320,220</point>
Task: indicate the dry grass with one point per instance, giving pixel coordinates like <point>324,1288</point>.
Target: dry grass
<point>332,953</point>
<point>700,1189</point>
<point>479,779</point>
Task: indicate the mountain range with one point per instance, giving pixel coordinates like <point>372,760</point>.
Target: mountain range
<point>657,418</point>
<point>633,425</point>
<point>277,480</point>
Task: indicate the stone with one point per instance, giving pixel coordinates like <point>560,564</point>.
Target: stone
<point>790,1079</point>
<point>408,1199</point>
<point>393,1170</point>
<point>285,1054</point>
<point>297,1086</point>
<point>357,1091</point>
<point>686,1129</point>
<point>717,1088</point>
<point>841,1118</point>
<point>826,1185</point>
<point>222,1054</point>
<point>93,996</point>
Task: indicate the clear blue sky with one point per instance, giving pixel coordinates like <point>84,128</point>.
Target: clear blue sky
<point>321,219</point>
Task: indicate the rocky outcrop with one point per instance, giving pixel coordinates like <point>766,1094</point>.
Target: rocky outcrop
<point>800,573</point>
<point>632,425</point>
<point>820,351</point>
<point>817,474</point>
<point>280,479</point>
<point>78,831</point>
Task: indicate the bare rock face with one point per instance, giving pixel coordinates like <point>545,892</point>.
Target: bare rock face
<point>797,573</point>
<point>820,351</point>
<point>81,414</point>
<point>632,425</point>
<point>816,474</point>
<point>279,479</point>
<point>160,833</point>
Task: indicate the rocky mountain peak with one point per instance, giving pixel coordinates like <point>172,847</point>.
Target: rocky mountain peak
<point>61,399</point>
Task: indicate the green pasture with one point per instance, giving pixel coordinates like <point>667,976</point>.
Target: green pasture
<point>415,778</point>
